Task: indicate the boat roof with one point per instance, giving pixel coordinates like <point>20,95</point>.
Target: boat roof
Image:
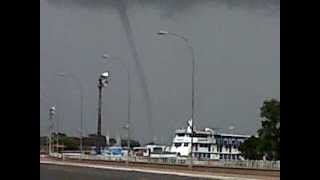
<point>140,148</point>
<point>115,147</point>
<point>232,135</point>
<point>154,145</point>
<point>178,131</point>
<point>196,131</point>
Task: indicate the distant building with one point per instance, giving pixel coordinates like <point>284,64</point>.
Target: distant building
<point>228,145</point>
<point>207,144</point>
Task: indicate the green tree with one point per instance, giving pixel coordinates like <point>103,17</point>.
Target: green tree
<point>268,141</point>
<point>251,148</point>
<point>269,134</point>
<point>70,143</point>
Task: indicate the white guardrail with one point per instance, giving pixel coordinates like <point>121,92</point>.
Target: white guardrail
<point>259,164</point>
<point>178,161</point>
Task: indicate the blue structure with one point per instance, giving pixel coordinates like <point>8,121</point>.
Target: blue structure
<point>113,151</point>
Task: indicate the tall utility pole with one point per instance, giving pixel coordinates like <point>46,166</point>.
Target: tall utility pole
<point>102,82</point>
<point>100,86</point>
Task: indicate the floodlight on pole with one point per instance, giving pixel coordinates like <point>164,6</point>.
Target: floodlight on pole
<point>105,75</point>
<point>106,56</point>
<point>161,32</point>
<point>102,82</point>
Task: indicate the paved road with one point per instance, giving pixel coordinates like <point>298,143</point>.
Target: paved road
<point>56,172</point>
<point>136,171</point>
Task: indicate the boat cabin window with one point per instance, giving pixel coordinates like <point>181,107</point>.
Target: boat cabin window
<point>157,150</point>
<point>180,134</point>
<point>204,145</point>
<point>200,135</point>
<point>177,144</point>
<point>186,144</point>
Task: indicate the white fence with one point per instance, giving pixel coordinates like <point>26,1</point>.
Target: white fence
<point>249,164</point>
<point>178,161</point>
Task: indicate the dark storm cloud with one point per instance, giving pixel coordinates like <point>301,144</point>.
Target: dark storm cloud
<point>236,43</point>
<point>169,8</point>
<point>121,6</point>
<point>92,4</point>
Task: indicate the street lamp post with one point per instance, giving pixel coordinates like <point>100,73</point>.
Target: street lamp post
<point>108,57</point>
<point>127,127</point>
<point>186,40</point>
<point>78,81</point>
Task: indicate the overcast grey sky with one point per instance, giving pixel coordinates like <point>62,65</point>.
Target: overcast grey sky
<point>237,48</point>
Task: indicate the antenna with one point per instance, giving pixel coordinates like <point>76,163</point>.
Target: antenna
<point>231,129</point>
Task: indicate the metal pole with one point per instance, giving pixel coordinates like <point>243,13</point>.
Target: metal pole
<point>129,110</point>
<point>128,143</point>
<point>77,80</point>
<point>50,137</point>
<point>99,106</point>
<point>48,142</point>
<point>193,91</point>
<point>57,130</point>
<point>81,111</point>
<point>81,132</point>
<point>100,85</point>
<point>57,134</point>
